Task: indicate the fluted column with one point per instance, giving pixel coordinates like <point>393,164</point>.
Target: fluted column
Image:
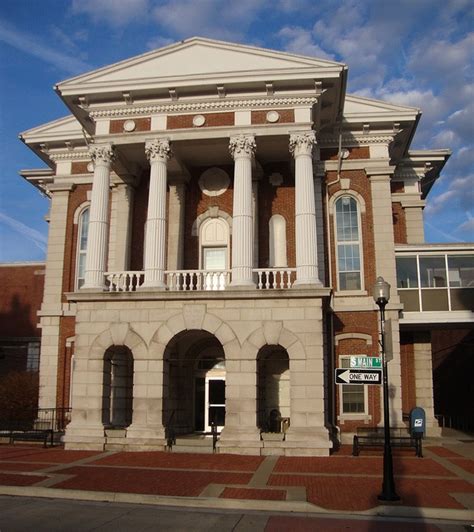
<point>96,255</point>
<point>242,149</point>
<point>158,152</point>
<point>301,147</point>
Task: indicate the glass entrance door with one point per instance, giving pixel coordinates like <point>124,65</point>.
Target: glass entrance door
<point>214,411</point>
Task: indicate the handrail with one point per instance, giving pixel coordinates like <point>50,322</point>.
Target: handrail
<point>170,434</point>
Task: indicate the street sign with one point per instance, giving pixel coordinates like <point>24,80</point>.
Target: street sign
<point>358,376</point>
<point>365,362</point>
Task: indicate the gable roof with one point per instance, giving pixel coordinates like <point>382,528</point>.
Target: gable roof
<point>357,108</point>
<point>198,60</point>
<point>67,127</point>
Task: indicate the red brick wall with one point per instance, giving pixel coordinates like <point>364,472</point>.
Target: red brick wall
<point>80,167</point>
<point>399,223</point>
<point>357,322</point>
<point>359,183</point>
<point>276,200</point>
<point>286,116</point>
<point>22,295</point>
<point>330,154</point>
<point>76,198</point>
<point>140,206</point>
<point>198,203</point>
<point>397,187</point>
<point>212,120</point>
<point>141,124</point>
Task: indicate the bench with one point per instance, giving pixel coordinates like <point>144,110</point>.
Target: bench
<point>375,437</point>
<point>33,435</point>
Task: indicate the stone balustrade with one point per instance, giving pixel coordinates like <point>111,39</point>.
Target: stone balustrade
<point>201,280</point>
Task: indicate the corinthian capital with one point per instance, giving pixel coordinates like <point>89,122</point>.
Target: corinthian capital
<point>242,145</point>
<point>102,153</point>
<point>158,150</point>
<point>302,143</point>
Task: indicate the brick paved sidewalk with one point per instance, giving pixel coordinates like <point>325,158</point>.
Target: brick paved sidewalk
<point>443,479</point>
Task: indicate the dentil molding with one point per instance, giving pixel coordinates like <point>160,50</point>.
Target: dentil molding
<point>174,107</point>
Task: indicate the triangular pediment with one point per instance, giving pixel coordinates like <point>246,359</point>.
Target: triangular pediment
<point>67,127</point>
<point>358,107</point>
<point>197,58</point>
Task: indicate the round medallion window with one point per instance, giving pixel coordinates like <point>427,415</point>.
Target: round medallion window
<point>129,126</point>
<point>199,120</point>
<point>273,116</point>
<point>214,182</point>
<point>90,167</point>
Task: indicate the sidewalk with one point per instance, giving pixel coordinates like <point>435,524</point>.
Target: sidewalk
<point>440,485</point>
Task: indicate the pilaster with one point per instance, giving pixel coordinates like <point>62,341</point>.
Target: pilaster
<point>51,308</point>
<point>120,227</point>
<point>424,380</point>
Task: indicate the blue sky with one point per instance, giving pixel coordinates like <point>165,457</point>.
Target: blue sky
<point>412,52</point>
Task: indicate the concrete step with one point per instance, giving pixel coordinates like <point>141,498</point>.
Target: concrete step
<point>115,433</point>
<point>193,443</point>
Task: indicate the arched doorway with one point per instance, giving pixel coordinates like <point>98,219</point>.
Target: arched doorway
<point>117,398</point>
<point>194,383</point>
<point>273,389</point>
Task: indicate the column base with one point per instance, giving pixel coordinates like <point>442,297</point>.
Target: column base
<point>84,437</point>
<point>151,288</point>
<point>305,283</point>
<point>307,441</point>
<point>235,440</point>
<point>242,286</point>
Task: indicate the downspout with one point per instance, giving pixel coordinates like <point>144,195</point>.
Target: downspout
<point>332,351</point>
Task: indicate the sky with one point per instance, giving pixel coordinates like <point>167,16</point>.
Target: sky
<point>417,53</point>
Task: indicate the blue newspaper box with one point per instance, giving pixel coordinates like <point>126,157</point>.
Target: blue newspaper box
<point>417,422</point>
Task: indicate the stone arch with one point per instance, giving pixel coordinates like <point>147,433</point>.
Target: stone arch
<point>273,333</point>
<point>367,338</point>
<point>212,212</point>
<point>118,334</point>
<point>347,192</point>
<point>194,317</point>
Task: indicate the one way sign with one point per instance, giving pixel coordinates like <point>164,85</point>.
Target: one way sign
<point>358,376</point>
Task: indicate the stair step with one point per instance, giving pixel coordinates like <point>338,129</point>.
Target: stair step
<point>115,433</point>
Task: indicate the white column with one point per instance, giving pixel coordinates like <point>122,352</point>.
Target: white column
<point>301,147</point>
<point>242,149</point>
<point>158,152</point>
<point>102,156</point>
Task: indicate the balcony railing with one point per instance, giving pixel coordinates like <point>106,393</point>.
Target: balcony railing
<point>202,280</point>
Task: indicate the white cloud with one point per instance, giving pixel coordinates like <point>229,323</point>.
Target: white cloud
<point>459,195</point>
<point>299,41</point>
<point>114,12</point>
<point>39,239</point>
<point>211,18</point>
<point>467,227</point>
<point>158,42</point>
<point>31,45</point>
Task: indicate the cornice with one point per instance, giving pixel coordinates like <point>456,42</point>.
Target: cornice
<point>214,105</point>
<point>355,139</point>
<point>83,155</point>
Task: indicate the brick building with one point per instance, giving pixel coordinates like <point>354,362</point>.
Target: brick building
<point>22,293</point>
<point>219,215</point>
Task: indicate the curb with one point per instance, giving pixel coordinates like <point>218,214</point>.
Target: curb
<point>234,504</point>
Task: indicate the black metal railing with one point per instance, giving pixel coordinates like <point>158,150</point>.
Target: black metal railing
<point>170,433</point>
<point>52,419</point>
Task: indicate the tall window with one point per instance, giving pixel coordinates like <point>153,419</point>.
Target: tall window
<point>348,244</point>
<point>83,230</point>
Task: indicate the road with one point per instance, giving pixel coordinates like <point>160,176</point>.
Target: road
<point>24,514</point>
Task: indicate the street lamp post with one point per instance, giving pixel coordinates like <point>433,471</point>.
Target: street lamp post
<point>381,294</point>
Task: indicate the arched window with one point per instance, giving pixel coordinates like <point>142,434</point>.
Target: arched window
<point>214,244</point>
<point>83,230</point>
<point>348,244</point>
<point>277,242</point>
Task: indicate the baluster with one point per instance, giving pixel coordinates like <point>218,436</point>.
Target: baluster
<point>259,284</point>
<point>267,279</point>
<point>199,281</point>
<point>282,279</point>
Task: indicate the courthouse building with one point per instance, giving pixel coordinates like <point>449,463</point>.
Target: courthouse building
<point>219,215</point>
